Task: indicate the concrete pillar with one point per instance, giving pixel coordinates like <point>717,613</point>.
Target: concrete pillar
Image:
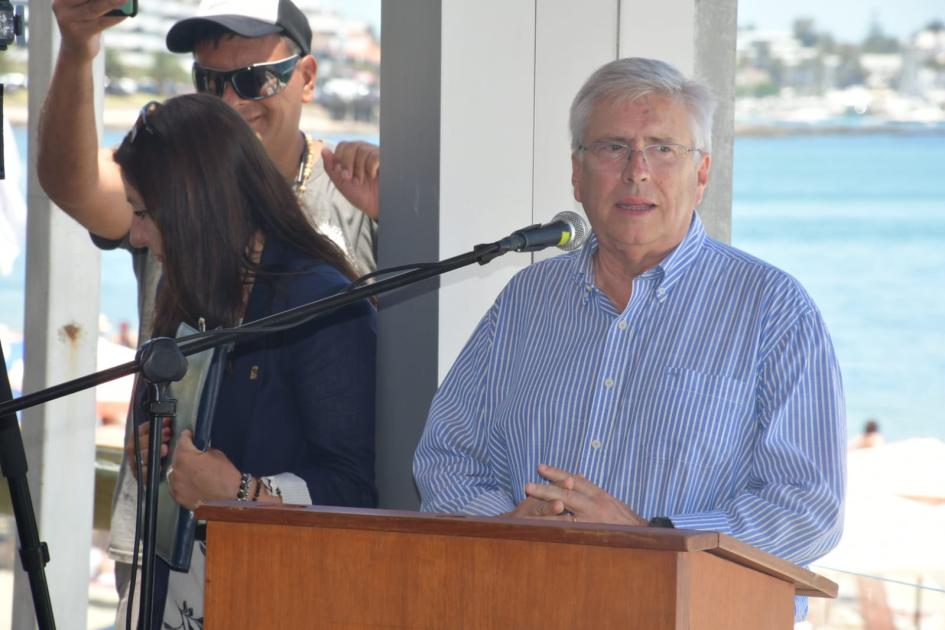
<point>61,333</point>
<point>716,31</point>
<point>410,201</point>
<point>699,39</point>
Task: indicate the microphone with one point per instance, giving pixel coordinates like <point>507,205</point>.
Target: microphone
<point>566,230</point>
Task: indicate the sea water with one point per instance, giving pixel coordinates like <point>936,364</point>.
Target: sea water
<point>858,219</point>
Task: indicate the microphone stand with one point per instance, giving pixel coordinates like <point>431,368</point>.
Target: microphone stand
<point>161,364</point>
<point>34,554</point>
<point>159,351</point>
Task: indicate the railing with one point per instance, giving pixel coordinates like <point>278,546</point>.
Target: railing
<point>901,600</point>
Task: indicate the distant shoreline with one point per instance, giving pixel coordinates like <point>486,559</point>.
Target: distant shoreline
<point>773,130</point>
<point>119,117</point>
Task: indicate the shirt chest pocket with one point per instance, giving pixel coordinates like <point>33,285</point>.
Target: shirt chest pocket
<point>710,387</point>
<point>696,417</point>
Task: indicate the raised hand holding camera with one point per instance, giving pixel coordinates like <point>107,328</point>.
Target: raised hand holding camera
<point>81,22</point>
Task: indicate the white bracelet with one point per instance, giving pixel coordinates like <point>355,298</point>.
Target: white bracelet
<point>272,486</point>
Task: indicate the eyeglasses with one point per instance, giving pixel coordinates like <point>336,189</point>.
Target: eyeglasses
<point>253,83</point>
<point>142,121</point>
<point>614,155</point>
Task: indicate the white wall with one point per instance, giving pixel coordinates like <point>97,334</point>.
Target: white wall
<point>486,152</point>
<point>509,72</point>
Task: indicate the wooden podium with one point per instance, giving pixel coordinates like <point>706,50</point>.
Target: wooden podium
<point>309,567</point>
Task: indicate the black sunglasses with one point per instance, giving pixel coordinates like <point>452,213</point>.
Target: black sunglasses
<point>142,121</point>
<point>254,83</point>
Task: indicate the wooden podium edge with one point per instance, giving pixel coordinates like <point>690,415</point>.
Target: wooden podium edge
<point>459,525</point>
<point>805,582</point>
<point>679,540</point>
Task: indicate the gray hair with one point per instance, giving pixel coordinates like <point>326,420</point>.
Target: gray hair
<point>635,77</point>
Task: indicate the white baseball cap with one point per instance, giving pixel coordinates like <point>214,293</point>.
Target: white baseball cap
<point>249,18</point>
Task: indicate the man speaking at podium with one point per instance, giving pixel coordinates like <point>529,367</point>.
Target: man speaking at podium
<point>655,376</point>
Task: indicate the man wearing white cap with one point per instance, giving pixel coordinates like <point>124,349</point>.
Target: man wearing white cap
<point>255,55</point>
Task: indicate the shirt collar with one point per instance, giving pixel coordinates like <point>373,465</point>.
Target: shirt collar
<point>670,269</point>
<point>675,265</point>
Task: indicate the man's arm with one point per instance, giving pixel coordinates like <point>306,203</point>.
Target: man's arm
<point>78,176</point>
<point>793,503</point>
<point>451,465</point>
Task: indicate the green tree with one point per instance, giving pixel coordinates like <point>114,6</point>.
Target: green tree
<point>166,71</point>
<point>878,42</point>
<point>114,68</point>
<point>805,33</point>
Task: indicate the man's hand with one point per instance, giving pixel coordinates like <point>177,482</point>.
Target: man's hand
<point>533,507</point>
<point>195,477</point>
<point>353,167</point>
<point>81,22</point>
<point>587,502</point>
<point>536,508</point>
<point>143,432</point>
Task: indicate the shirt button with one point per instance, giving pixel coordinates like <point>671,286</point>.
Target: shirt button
<point>660,292</point>
<point>622,324</point>
<point>595,444</point>
<point>608,383</point>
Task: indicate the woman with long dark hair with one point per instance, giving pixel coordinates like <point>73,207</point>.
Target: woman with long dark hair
<point>294,417</point>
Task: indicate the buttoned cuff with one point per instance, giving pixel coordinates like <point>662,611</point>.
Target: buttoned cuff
<point>293,488</point>
<point>708,521</point>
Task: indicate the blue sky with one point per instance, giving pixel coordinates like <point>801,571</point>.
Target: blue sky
<point>848,20</point>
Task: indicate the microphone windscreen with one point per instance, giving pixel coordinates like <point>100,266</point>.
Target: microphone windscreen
<point>578,229</point>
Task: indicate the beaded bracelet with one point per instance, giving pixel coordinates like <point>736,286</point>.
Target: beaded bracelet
<point>244,487</point>
<point>259,485</point>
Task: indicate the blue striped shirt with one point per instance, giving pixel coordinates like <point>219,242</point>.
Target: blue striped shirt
<point>714,399</point>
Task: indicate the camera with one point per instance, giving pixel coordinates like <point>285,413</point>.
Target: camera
<point>10,23</point>
<point>129,9</point>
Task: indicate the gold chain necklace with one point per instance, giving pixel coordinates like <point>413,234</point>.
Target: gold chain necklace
<point>305,166</point>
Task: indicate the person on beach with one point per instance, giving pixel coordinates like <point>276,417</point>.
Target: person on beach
<point>255,56</point>
<point>690,385</point>
<point>870,437</point>
<point>294,416</point>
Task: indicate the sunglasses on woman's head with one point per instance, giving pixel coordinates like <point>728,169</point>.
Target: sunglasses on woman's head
<point>142,122</point>
<point>254,83</point>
